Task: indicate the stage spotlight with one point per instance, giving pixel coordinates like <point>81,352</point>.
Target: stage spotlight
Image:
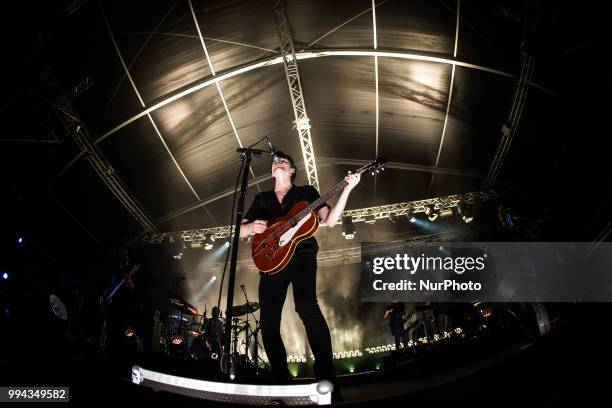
<point>466,211</point>
<point>410,215</point>
<point>5,276</point>
<point>348,229</point>
<point>21,241</point>
<point>208,246</point>
<point>303,123</point>
<point>212,238</point>
<point>129,332</point>
<point>227,243</point>
<point>446,212</point>
<point>196,244</point>
<point>432,213</point>
<point>486,311</point>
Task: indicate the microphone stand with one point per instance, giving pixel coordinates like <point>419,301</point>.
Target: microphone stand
<point>246,155</point>
<point>246,334</point>
<point>253,334</point>
<point>255,351</point>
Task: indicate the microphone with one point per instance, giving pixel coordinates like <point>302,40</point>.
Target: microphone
<point>242,286</point>
<point>275,158</point>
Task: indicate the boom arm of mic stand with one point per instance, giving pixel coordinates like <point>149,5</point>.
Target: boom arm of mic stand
<point>243,151</point>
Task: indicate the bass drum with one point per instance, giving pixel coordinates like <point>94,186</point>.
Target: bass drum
<point>199,348</point>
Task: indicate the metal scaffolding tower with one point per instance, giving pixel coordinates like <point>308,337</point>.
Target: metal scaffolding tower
<point>302,122</point>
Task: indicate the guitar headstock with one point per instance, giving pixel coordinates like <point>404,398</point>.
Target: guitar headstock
<point>374,167</point>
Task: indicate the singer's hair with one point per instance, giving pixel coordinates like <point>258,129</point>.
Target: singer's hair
<point>284,155</point>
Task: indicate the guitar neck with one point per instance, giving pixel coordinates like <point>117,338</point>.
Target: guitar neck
<point>335,190</point>
<point>321,200</point>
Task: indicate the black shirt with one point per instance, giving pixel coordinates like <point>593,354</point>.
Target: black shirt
<point>397,315</point>
<point>266,207</point>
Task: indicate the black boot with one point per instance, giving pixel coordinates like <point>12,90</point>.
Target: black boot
<point>337,394</point>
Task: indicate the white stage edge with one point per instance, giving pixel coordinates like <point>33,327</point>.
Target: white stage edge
<point>303,394</point>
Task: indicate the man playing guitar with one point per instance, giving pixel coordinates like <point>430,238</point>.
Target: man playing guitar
<point>301,271</point>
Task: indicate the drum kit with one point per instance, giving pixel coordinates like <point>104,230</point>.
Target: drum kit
<point>189,335</point>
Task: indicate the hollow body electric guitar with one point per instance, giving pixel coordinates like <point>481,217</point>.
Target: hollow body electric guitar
<point>273,249</point>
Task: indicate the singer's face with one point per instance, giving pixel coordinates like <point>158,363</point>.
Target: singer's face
<point>282,166</point>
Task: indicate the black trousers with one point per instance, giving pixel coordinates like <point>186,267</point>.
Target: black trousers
<point>400,336</point>
<point>302,273</point>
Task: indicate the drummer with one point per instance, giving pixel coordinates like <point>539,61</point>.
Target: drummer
<point>213,329</point>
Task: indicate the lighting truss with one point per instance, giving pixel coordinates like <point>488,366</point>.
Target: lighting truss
<point>514,117</point>
<point>413,207</point>
<point>77,91</point>
<point>107,174</point>
<point>302,122</point>
<point>357,215</point>
<point>105,171</point>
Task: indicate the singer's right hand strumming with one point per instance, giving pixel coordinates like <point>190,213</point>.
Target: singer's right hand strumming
<point>255,227</point>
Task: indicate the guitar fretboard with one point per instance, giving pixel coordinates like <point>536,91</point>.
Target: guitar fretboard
<point>321,200</point>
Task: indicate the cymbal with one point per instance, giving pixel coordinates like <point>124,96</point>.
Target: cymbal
<point>58,307</point>
<point>244,309</point>
<point>186,308</point>
<point>189,309</point>
<point>179,302</point>
<point>176,300</point>
<point>241,326</point>
<point>178,317</point>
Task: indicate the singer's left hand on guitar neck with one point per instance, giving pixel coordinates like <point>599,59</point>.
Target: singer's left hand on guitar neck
<point>330,217</point>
